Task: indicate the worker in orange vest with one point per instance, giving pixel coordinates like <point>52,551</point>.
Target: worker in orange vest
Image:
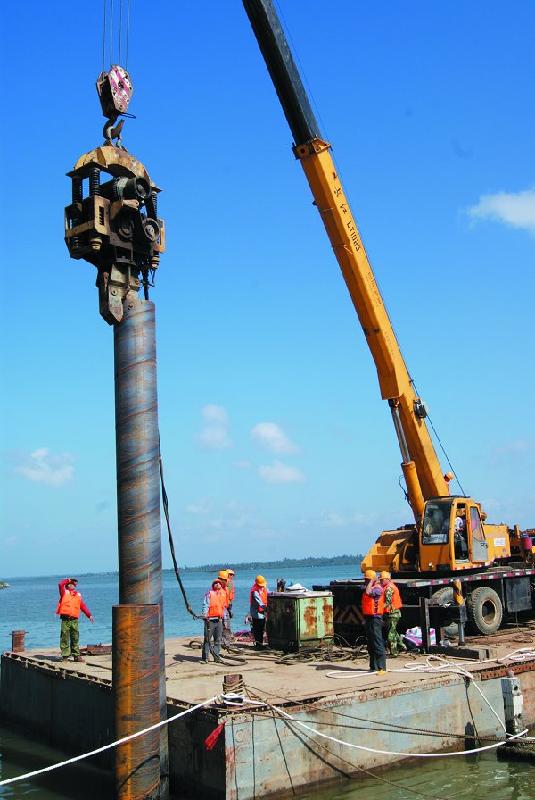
<point>392,614</point>
<point>213,612</point>
<point>231,592</point>
<point>372,609</point>
<point>258,599</point>
<point>69,607</point>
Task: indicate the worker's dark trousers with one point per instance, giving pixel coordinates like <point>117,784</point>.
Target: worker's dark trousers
<point>258,626</point>
<point>376,645</point>
<point>213,629</point>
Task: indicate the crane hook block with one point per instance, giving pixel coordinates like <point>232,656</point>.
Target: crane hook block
<point>115,91</point>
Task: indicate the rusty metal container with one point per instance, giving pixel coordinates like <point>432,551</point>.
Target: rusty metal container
<point>298,620</point>
<point>17,641</point>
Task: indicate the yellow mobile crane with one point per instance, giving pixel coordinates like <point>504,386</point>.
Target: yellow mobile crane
<point>450,535</point>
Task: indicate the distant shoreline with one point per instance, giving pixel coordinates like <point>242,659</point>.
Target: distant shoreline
<point>285,563</point>
<point>310,561</point>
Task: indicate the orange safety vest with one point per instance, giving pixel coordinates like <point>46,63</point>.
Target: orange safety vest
<point>372,605</point>
<point>262,591</point>
<point>218,603</point>
<point>396,598</point>
<point>69,605</point>
<point>231,591</point>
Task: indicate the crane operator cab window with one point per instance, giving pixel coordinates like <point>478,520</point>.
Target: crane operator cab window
<point>460,534</point>
<point>436,524</point>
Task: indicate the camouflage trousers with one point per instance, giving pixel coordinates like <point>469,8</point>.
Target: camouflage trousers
<point>393,638</point>
<point>69,638</point>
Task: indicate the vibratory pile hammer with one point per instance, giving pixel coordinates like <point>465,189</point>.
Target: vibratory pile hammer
<point>113,221</point>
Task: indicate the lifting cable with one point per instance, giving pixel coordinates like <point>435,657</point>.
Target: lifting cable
<point>165,501</point>
<point>441,445</point>
<point>122,40</point>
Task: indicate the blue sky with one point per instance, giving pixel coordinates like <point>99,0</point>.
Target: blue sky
<point>275,440</point>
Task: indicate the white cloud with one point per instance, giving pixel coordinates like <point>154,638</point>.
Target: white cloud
<point>215,433</point>
<point>215,414</point>
<point>280,473</point>
<point>514,209</point>
<point>198,508</point>
<point>41,466</point>
<point>272,437</point>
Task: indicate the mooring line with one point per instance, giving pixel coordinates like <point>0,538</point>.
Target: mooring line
<point>285,715</point>
<point>109,746</point>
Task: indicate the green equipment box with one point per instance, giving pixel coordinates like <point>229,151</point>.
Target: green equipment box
<point>297,620</point>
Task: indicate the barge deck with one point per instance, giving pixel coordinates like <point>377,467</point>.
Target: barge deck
<point>259,751</point>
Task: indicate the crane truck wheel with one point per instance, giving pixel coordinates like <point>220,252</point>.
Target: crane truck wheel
<point>484,611</point>
<point>444,597</point>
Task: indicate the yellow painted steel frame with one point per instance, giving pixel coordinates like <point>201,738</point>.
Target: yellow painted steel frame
<point>394,379</point>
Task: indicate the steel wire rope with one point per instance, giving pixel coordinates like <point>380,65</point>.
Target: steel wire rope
<point>302,73</point>
<point>127,32</point>
<point>376,750</point>
<point>401,729</point>
<point>454,668</point>
<point>111,32</point>
<point>120,27</point>
<point>439,440</point>
<point>105,3</point>
<point>357,767</point>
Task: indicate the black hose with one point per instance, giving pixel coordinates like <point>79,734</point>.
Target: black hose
<point>165,501</point>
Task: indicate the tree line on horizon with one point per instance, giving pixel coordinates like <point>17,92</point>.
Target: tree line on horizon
<point>309,561</point>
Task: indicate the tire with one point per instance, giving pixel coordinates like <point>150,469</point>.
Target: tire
<point>484,611</point>
<point>444,597</point>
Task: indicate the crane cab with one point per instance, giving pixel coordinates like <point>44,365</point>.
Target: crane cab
<point>452,536</point>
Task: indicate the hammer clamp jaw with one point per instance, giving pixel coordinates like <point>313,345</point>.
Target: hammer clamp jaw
<point>115,226</point>
<point>117,288</point>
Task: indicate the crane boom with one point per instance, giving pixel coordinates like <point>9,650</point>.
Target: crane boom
<point>420,465</point>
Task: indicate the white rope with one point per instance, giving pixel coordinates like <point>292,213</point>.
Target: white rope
<point>242,703</point>
<point>448,665</point>
<point>109,746</point>
<point>451,667</point>
<point>307,727</point>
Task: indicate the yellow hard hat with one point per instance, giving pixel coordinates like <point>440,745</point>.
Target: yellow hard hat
<point>223,574</point>
<point>370,574</point>
<point>385,574</point>
<point>230,572</point>
<point>260,580</point>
